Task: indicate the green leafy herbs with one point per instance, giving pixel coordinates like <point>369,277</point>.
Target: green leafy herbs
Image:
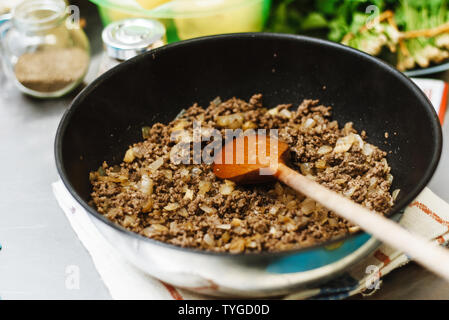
<point>416,31</point>
<point>337,16</point>
<point>287,16</point>
<point>412,16</point>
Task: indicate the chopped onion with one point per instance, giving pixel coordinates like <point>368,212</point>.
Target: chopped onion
<point>278,189</point>
<point>367,149</point>
<point>291,205</point>
<point>208,210</point>
<point>285,113</point>
<point>148,232</point>
<point>172,206</point>
<point>347,129</point>
<point>285,219</point>
<point>310,123</point>
<point>225,237</point>
<point>159,227</point>
<point>129,155</point>
<point>320,164</point>
<point>188,195</point>
<point>236,222</point>
<point>395,194</point>
<point>318,118</point>
<point>148,206</point>
<point>358,139</point>
<point>204,187</point>
<point>207,132</point>
<point>146,184</point>
<point>153,229</point>
<point>156,164</point>
<point>252,244</point>
<point>249,125</point>
<point>333,222</point>
<point>183,212</point>
<point>308,206</point>
<point>348,193</point>
<point>174,227</point>
<point>226,189</point>
<point>344,144</point>
<point>180,125</point>
<point>183,136</point>
<point>224,226</point>
<point>209,240</point>
<point>232,121</point>
<point>273,111</point>
<point>122,178</point>
<point>188,226</point>
<point>273,210</point>
<point>168,174</point>
<point>390,178</point>
<point>333,124</point>
<point>185,174</point>
<point>217,101</point>
<point>238,229</point>
<point>305,168</point>
<point>237,246</point>
<point>128,221</point>
<point>324,150</point>
<point>146,132</point>
<point>138,153</point>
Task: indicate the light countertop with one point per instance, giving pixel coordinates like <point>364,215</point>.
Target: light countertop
<point>39,246</point>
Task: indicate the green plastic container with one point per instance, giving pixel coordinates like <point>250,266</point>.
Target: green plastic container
<point>185,19</point>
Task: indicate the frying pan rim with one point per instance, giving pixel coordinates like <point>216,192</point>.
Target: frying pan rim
<point>77,101</point>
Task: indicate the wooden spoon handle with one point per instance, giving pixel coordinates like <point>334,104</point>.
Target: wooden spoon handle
<point>429,255</point>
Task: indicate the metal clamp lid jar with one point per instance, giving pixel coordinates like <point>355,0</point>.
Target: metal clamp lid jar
<point>42,53</point>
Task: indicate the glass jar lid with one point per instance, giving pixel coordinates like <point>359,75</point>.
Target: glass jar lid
<point>127,38</point>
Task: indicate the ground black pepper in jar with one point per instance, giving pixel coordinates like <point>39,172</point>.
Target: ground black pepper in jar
<point>42,53</point>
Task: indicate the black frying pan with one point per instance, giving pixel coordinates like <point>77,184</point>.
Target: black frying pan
<point>107,116</point>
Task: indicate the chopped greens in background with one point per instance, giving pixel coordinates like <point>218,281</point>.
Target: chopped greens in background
<point>414,32</point>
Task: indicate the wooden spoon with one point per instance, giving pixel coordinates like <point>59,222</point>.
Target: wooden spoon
<point>259,158</point>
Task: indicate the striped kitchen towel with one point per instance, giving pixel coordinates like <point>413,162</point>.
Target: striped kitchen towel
<point>436,91</point>
<point>428,216</point>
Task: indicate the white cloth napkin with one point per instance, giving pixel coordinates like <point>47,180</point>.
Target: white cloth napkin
<point>428,215</point>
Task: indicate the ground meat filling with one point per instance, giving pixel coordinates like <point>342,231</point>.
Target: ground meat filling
<point>186,205</point>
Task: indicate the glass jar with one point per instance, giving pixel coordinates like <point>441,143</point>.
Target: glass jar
<point>43,52</point>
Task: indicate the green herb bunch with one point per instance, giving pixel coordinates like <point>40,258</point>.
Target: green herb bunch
<point>416,31</point>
